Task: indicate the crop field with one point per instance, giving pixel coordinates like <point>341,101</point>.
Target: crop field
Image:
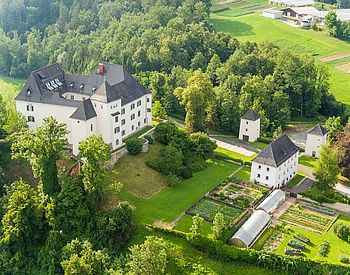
<point>256,28</point>
<point>236,8</point>
<point>307,219</point>
<point>207,209</point>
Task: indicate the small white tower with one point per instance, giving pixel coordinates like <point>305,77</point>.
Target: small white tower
<point>316,137</point>
<point>249,129</point>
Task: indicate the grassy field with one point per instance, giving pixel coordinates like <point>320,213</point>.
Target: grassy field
<point>295,181</point>
<point>308,161</point>
<point>9,88</point>
<point>256,28</point>
<point>234,155</point>
<point>337,246</point>
<point>243,174</point>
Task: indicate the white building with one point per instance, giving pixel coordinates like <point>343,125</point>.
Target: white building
<point>249,129</point>
<point>271,13</point>
<point>292,3</point>
<point>316,137</point>
<point>109,102</point>
<point>277,164</point>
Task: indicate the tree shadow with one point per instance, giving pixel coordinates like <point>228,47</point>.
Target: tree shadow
<point>234,27</point>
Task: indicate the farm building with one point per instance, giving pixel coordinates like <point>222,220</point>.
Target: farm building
<point>303,12</point>
<point>277,164</point>
<point>343,14</point>
<point>251,229</point>
<point>274,14</point>
<point>316,137</point>
<point>249,129</point>
<point>273,201</point>
<point>292,3</point>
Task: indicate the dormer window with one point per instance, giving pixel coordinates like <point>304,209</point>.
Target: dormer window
<point>29,92</point>
<point>71,85</point>
<point>81,87</point>
<point>94,89</point>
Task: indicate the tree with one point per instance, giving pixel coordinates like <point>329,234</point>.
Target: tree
<point>197,222</point>
<point>94,153</point>
<point>16,122</point>
<point>195,98</point>
<point>332,23</point>
<point>149,258</point>
<point>333,126</point>
<point>134,146</point>
<point>79,257</point>
<point>327,168</point>
<point>343,146</point>
<point>43,148</point>
<point>201,145</point>
<point>165,132</point>
<point>24,227</point>
<point>218,227</point>
<point>158,110</point>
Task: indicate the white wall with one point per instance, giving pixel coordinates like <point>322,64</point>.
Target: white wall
<point>249,128</point>
<point>81,130</point>
<point>272,176</point>
<point>314,143</point>
<point>76,96</point>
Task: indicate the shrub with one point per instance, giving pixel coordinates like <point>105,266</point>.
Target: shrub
<point>134,146</point>
<point>344,259</point>
<point>186,173</point>
<point>164,132</point>
<point>173,180</point>
<point>342,231</point>
<point>150,139</point>
<point>324,249</point>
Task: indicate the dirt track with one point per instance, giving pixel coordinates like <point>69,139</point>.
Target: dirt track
<point>335,57</point>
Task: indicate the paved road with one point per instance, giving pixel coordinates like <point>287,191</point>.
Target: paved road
<point>308,171</point>
<point>240,147</point>
<point>303,186</point>
<point>342,189</point>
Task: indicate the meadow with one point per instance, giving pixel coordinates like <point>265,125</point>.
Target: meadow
<point>9,88</point>
<point>256,28</point>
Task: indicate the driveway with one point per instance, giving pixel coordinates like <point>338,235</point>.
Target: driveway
<point>342,189</point>
<point>307,170</point>
<point>303,186</point>
<point>239,147</point>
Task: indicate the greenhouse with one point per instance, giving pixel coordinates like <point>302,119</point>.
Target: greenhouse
<point>273,201</point>
<point>251,229</point>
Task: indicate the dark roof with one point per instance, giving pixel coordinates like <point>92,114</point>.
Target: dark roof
<point>251,115</point>
<point>318,130</point>
<point>85,111</point>
<point>48,84</point>
<point>277,152</point>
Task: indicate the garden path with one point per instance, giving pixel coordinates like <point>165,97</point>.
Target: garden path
<point>307,170</point>
<point>280,211</point>
<point>342,189</point>
<point>303,186</point>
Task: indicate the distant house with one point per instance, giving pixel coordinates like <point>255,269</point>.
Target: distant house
<point>109,102</point>
<point>316,137</point>
<point>271,13</point>
<point>303,12</point>
<point>249,129</point>
<point>277,164</point>
<point>292,3</point>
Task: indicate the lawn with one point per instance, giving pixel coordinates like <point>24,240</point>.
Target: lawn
<point>137,178</point>
<point>140,133</point>
<point>308,161</point>
<point>185,223</point>
<point>296,180</point>
<point>171,202</point>
<point>256,28</point>
<point>234,155</point>
<point>244,174</point>
<point>337,246</point>
<point>256,144</point>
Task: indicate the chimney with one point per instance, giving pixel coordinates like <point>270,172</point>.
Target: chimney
<point>101,68</point>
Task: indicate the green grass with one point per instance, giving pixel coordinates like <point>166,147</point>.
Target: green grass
<point>139,133</point>
<point>171,202</point>
<point>185,223</point>
<point>243,174</point>
<point>256,28</point>
<point>230,154</point>
<point>9,88</point>
<point>337,246</point>
<point>340,61</point>
<point>256,144</point>
<point>295,181</point>
<point>308,161</point>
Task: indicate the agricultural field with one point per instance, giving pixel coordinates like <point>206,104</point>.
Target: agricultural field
<point>256,28</point>
<point>208,208</point>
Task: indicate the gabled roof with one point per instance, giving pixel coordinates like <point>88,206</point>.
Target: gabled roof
<point>85,111</point>
<point>318,130</point>
<point>277,152</point>
<point>251,115</point>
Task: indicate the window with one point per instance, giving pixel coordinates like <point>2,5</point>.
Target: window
<point>144,120</point>
<point>267,177</point>
<point>259,166</point>
<point>30,119</point>
<point>149,110</point>
<point>83,98</point>
<point>132,128</point>
<point>132,116</point>
<point>139,103</point>
<point>258,175</point>
<point>116,119</point>
<point>123,133</point>
<point>139,113</point>
<point>147,99</point>
<point>91,127</point>
<point>123,111</point>
<point>246,122</point>
<point>30,108</point>
<point>123,121</point>
<point>72,97</point>
<point>139,124</point>
<point>246,130</point>
<point>116,130</point>
<point>117,142</point>
<point>101,107</point>
<point>132,106</point>
<point>268,169</point>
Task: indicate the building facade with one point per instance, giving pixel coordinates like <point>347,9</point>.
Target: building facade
<point>277,164</point>
<point>316,137</point>
<point>249,129</point>
<point>109,102</point>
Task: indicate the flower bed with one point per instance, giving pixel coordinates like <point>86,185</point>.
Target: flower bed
<point>292,252</point>
<point>274,241</point>
<point>296,244</point>
<point>302,238</point>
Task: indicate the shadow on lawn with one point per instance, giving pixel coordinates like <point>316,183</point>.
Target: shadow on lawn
<point>235,27</point>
